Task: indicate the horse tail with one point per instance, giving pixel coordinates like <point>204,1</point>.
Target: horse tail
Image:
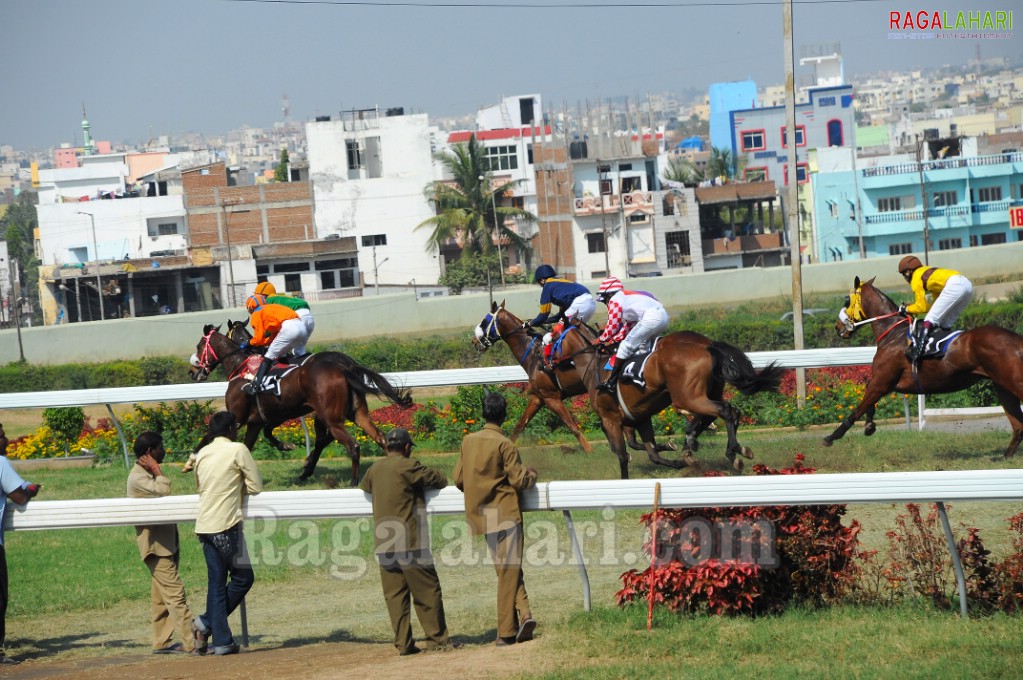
<point>365,380</point>
<point>735,367</point>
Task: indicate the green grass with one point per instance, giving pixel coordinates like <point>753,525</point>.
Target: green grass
<point>316,579</point>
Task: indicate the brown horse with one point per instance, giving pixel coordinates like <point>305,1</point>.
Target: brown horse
<point>333,391</point>
<point>686,371</point>
<point>988,352</point>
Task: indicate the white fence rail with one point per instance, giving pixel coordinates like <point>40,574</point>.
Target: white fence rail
<point>888,487</point>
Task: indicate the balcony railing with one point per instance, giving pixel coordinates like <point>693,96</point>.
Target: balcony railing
<point>612,203</point>
<point>948,211</point>
<point>740,244</point>
<point>944,164</point>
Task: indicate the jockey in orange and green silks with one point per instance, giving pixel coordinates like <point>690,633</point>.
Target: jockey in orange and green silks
<point>573,300</point>
<point>276,327</point>
<point>301,307</point>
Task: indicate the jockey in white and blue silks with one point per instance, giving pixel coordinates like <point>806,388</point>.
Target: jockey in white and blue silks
<point>573,300</point>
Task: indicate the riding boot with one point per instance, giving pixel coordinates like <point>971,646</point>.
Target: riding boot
<point>916,349</point>
<point>256,385</point>
<point>612,380</point>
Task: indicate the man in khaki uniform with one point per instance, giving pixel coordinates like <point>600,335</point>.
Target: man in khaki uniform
<point>490,474</point>
<point>158,546</point>
<point>402,542</point>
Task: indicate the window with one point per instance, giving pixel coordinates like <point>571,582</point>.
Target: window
<point>800,173</point>
<point>833,208</point>
<point>891,204</point>
<point>529,154</point>
<point>800,136</point>
<point>503,157</point>
<point>943,199</point>
<point>754,140</point>
<point>605,187</point>
<point>595,243</point>
<point>163,229</point>
<point>354,150</point>
<point>337,273</point>
<point>639,218</point>
<point>288,267</point>
<point>835,134</point>
<point>630,184</point>
<point>374,240</point>
<point>677,245</point>
<point>992,239</point>
<point>624,167</point>
<point>950,243</point>
<point>755,174</point>
<point>988,194</point>
<point>900,249</point>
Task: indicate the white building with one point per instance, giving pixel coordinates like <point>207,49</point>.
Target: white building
<point>369,172</point>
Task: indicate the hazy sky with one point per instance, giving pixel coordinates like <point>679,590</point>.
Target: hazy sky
<point>176,66</point>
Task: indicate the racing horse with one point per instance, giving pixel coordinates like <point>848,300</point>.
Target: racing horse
<point>333,391</point>
<point>687,371</point>
<point>546,387</point>
<point>987,352</point>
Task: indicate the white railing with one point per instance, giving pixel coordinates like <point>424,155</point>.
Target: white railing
<point>885,487</point>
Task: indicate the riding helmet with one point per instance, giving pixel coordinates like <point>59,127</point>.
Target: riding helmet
<point>608,287</point>
<point>265,288</point>
<point>544,271</point>
<point>909,264</point>
<point>254,302</point>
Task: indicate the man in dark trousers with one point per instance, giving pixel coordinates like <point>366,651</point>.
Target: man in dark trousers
<point>491,475</point>
<point>402,538</point>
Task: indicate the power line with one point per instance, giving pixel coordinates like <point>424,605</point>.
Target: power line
<point>557,5</point>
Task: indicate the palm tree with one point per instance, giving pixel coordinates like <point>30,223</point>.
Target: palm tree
<point>684,171</point>
<point>466,205</point>
<point>723,164</point>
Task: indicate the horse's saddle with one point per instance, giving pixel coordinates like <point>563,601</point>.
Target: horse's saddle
<point>272,381</point>
<point>937,343</point>
<point>632,371</point>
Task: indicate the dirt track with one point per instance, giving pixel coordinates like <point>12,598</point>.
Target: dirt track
<point>308,662</point>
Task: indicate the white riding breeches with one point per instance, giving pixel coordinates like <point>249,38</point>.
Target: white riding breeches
<point>310,324</point>
<point>653,323</point>
<point>582,308</point>
<point>951,302</point>
<point>293,336</point>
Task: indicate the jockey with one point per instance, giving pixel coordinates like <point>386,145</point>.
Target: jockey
<point>279,329</point>
<point>950,290</point>
<point>633,318</point>
<point>301,307</point>
<point>573,300</point>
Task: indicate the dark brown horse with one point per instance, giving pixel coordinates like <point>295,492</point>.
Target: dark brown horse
<point>988,352</point>
<point>686,371</point>
<point>333,391</point>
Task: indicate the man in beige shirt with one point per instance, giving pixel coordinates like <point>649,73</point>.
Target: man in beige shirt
<point>225,473</point>
<point>158,546</point>
<point>491,475</point>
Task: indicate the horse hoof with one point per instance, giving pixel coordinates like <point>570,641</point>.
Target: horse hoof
<point>692,444</point>
<point>826,441</point>
<point>670,446</point>
<point>869,429</point>
<point>690,461</point>
<point>746,452</point>
<point>738,465</point>
<point>285,446</point>
<point>306,474</point>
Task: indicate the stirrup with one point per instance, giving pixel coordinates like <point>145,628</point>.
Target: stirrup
<point>607,386</point>
<point>250,389</point>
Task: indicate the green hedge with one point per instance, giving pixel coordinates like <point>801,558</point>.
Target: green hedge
<point>754,327</point>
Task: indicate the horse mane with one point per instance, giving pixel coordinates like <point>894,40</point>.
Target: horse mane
<point>880,293</point>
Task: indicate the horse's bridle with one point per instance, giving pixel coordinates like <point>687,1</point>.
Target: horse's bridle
<point>488,336</point>
<point>207,359</point>
<point>852,315</point>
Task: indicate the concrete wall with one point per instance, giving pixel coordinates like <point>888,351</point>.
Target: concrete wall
<point>402,315</point>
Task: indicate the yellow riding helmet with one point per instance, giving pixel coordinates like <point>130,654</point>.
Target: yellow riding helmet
<point>265,288</point>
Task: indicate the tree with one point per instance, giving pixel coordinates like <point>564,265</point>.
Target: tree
<point>18,226</point>
<point>465,205</point>
<point>281,169</point>
<point>683,170</point>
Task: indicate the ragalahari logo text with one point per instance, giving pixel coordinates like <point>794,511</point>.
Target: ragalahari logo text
<point>964,25</point>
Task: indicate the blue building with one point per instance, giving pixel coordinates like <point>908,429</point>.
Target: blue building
<point>961,198</point>
<point>758,138</point>
<point>723,99</point>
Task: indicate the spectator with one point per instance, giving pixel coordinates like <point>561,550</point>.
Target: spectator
<point>402,536</point>
<point>160,551</point>
<point>491,475</point>
<point>225,473</point>
<point>18,490</point>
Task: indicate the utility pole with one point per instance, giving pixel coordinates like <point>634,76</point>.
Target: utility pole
<point>923,196</point>
<point>792,201</point>
<point>14,302</point>
<point>95,248</point>
<point>859,210</point>
<point>376,272</point>
<point>497,229</point>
